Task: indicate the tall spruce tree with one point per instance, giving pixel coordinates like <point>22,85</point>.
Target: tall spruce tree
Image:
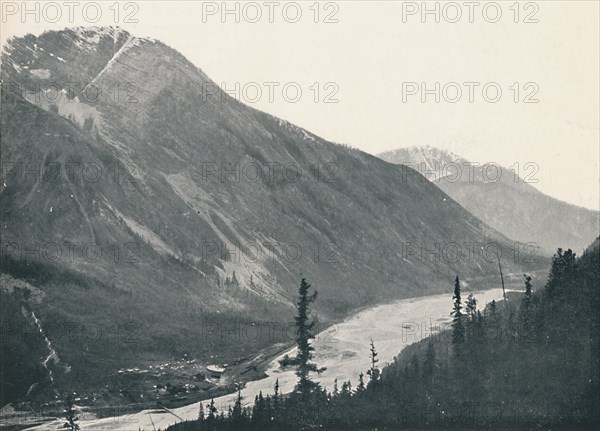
<point>373,372</point>
<point>304,333</point>
<point>458,330</point>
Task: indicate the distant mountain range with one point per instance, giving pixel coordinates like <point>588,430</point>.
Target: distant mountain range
<point>503,199</point>
<point>166,204</point>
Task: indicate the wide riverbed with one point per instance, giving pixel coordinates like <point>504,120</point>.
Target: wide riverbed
<point>342,348</point>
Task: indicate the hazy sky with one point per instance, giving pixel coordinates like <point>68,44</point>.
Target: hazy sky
<point>363,59</point>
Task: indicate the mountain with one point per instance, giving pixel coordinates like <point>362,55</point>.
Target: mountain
<point>144,203</point>
<point>504,200</point>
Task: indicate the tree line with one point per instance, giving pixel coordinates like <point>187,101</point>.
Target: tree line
<point>531,359</point>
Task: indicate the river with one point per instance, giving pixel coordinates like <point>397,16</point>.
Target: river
<point>342,348</point>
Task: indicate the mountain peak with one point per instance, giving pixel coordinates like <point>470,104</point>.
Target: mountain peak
<point>429,161</point>
<point>423,152</point>
<point>80,36</point>
<point>64,56</point>
<point>75,70</point>
<point>95,33</point>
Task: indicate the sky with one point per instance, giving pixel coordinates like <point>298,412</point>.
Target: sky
<point>516,85</point>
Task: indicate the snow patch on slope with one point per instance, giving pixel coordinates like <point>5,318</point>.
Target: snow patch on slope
<point>71,109</point>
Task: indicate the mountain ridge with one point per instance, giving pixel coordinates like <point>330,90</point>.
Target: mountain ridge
<point>169,193</point>
<point>482,196</point>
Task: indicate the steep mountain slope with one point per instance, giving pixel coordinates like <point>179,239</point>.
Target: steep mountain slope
<point>504,200</point>
<point>154,194</point>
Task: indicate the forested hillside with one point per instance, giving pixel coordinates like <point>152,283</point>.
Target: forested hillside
<point>531,360</point>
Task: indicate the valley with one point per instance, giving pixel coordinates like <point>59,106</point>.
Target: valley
<point>342,348</point>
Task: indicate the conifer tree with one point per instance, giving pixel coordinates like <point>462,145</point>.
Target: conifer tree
<point>458,330</point>
<point>259,411</point>
<point>201,412</point>
<point>563,263</point>
<point>212,413</point>
<point>276,401</point>
<point>336,391</point>
<point>236,412</point>
<point>471,307</point>
<point>346,391</point>
<point>528,287</point>
<point>493,307</point>
<point>70,414</point>
<point>304,333</point>
<point>471,322</point>
<point>526,309</point>
<point>361,383</point>
<point>373,372</point>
